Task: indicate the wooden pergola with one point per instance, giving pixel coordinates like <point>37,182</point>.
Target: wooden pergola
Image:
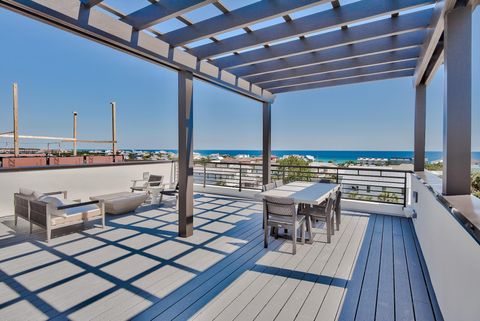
<point>306,44</point>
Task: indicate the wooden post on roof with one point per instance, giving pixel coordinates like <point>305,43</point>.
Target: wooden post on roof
<point>114,130</point>
<point>75,133</point>
<point>16,142</point>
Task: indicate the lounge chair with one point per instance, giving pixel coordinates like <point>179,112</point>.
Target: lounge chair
<point>50,212</point>
<point>143,185</point>
<point>169,190</point>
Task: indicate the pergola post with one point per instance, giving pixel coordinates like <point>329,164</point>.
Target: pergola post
<point>267,142</point>
<point>185,153</point>
<point>458,100</point>
<point>420,123</point>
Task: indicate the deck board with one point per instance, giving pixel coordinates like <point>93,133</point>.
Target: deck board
<point>139,269</point>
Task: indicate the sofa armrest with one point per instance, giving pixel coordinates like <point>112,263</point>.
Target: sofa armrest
<point>64,207</point>
<point>56,193</point>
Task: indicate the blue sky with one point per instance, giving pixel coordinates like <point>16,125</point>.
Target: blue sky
<point>59,73</point>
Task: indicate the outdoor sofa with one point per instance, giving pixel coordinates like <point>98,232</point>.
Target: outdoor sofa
<point>51,212</point>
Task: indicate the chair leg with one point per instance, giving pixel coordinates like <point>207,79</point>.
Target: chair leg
<point>49,234</point>
<point>294,240</point>
<point>329,229</point>
<point>265,239</point>
<point>338,215</point>
<point>303,232</point>
<point>310,230</point>
<point>332,222</point>
<point>31,227</point>
<point>16,220</point>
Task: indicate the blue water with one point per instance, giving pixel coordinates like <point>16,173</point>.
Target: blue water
<point>330,155</point>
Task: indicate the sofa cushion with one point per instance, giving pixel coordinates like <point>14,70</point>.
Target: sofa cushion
<point>75,214</point>
<point>54,201</point>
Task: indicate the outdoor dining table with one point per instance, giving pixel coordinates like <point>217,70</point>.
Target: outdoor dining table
<point>309,193</point>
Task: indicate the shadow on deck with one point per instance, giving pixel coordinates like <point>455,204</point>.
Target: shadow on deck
<point>138,268</point>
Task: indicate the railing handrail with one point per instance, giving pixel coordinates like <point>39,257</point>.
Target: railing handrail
<point>381,185</point>
<point>314,167</point>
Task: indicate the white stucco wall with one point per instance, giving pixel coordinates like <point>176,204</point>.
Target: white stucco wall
<point>80,182</point>
<point>451,254</point>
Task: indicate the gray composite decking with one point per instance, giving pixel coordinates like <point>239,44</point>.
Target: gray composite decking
<point>138,268</point>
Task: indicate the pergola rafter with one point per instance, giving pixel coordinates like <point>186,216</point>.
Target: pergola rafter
<point>242,17</point>
<point>350,73</point>
<point>90,3</point>
<point>367,61</point>
<point>404,41</point>
<point>162,11</point>
<point>356,12</point>
<point>378,29</point>
<point>346,81</point>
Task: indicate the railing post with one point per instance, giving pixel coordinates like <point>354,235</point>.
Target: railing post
<point>337,176</point>
<point>240,178</point>
<point>405,190</point>
<point>204,174</point>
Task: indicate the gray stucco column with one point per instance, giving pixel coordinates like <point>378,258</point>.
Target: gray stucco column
<point>185,153</point>
<point>420,122</point>
<point>267,143</point>
<point>457,119</point>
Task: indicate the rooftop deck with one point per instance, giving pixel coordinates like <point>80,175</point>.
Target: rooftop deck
<point>138,268</point>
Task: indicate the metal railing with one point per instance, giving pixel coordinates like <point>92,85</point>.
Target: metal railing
<point>360,183</point>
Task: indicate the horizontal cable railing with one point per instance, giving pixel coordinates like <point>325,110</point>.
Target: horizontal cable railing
<point>360,183</point>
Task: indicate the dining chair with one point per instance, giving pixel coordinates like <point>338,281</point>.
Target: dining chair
<point>323,213</point>
<point>281,212</point>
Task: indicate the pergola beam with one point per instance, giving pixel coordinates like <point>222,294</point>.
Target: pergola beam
<point>344,15</point>
<point>72,16</point>
<point>348,81</point>
<point>361,62</point>
<point>239,18</point>
<point>435,32</point>
<point>352,73</point>
<point>162,11</point>
<point>405,41</point>
<point>370,31</point>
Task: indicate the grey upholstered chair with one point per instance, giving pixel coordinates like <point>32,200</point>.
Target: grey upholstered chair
<point>324,212</point>
<point>281,212</point>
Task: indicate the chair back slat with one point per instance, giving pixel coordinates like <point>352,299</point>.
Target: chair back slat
<point>268,187</point>
<point>278,183</point>
<point>158,179</point>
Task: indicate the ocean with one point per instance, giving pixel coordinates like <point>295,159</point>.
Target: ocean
<point>337,156</point>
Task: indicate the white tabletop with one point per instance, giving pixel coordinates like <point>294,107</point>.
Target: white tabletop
<point>302,192</point>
